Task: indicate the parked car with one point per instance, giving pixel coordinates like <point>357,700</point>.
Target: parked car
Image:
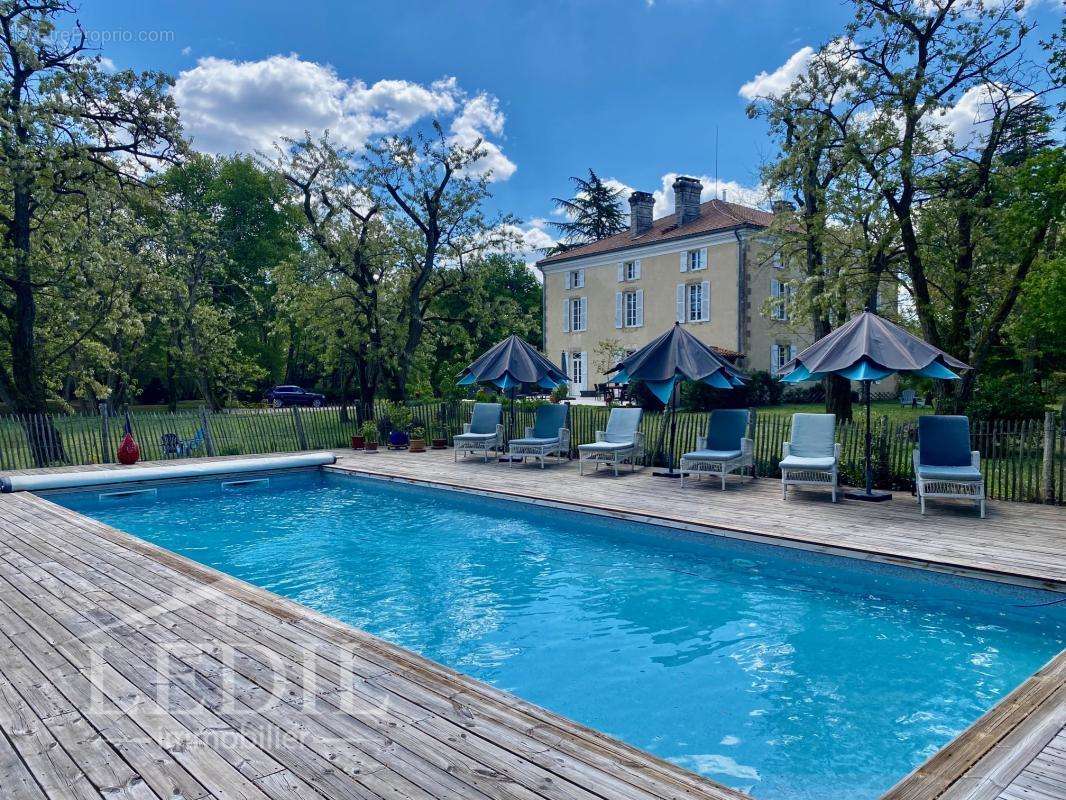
<point>282,396</point>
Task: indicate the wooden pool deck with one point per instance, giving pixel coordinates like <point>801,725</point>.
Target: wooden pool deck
<point>129,672</point>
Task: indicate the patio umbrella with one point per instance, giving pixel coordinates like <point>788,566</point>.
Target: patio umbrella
<point>866,349</point>
<point>511,365</point>
<point>674,356</point>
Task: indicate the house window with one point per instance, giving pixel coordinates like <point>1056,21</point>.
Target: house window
<point>577,370</point>
<point>630,309</point>
<point>577,313</point>
<point>780,354</point>
<point>697,259</point>
<point>575,279</point>
<point>780,295</point>
<point>631,270</point>
<point>695,302</point>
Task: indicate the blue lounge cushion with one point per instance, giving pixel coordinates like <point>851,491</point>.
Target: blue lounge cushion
<point>944,441</point>
<point>550,418</point>
<point>485,417</point>
<point>938,473</point>
<point>712,455</point>
<point>726,428</point>
<point>536,441</point>
<point>808,462</point>
<point>475,437</point>
<point>813,435</point>
<point>605,447</point>
<point>622,425</point>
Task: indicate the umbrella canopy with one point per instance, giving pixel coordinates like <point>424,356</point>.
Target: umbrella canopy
<point>511,364</point>
<point>869,348</point>
<point>677,355</point>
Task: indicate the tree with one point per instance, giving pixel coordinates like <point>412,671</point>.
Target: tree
<point>68,130</point>
<point>594,212</point>
<point>437,190</point>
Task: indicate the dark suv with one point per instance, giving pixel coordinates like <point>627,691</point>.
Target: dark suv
<point>281,396</point>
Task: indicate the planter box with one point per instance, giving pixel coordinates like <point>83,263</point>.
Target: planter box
<point>417,446</point>
<point>440,444</point>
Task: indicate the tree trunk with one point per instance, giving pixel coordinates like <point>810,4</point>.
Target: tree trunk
<point>838,397</point>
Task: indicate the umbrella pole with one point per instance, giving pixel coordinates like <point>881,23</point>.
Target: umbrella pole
<point>509,433</point>
<point>869,494</point>
<point>673,436</point>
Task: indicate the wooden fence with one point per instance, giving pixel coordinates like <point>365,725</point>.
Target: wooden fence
<point>1022,460</point>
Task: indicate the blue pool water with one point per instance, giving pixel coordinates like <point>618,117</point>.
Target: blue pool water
<point>784,674</point>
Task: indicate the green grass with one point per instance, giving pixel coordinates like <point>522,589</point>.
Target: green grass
<point>879,408</point>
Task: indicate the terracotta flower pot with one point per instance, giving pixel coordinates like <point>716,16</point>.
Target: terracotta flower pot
<point>417,445</point>
<point>358,442</point>
<point>371,447</point>
<point>440,444</point>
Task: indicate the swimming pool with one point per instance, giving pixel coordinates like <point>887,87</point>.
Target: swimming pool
<point>785,674</point>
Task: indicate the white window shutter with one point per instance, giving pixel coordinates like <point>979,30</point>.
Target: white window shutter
<point>775,287</point>
<point>581,279</point>
<point>705,304</point>
<point>621,272</point>
<point>775,350</point>
<point>569,280</point>
<point>640,308</point>
<point>681,302</point>
<point>585,368</point>
<point>684,262</point>
<point>703,258</point>
<point>566,315</point>
<point>636,269</point>
<point>618,298</point>
<point>584,301</point>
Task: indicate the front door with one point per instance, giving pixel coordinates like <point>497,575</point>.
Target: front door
<point>578,374</point>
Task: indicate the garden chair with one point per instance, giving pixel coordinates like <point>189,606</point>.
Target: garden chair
<point>811,457</point>
<point>171,444</point>
<point>548,436</point>
<point>724,449</point>
<point>944,465</point>
<point>483,434</point>
<point>622,442</point>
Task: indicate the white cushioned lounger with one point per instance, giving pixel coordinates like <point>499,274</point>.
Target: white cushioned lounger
<point>97,477</point>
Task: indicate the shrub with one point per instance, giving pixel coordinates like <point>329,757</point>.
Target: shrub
<point>640,394</point>
<point>1016,396</point>
<point>559,393</point>
<point>764,390</point>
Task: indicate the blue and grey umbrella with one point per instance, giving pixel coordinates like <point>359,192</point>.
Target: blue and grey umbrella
<point>675,356</point>
<point>513,365</point>
<point>869,348</point>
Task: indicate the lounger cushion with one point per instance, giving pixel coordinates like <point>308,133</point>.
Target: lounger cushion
<point>622,425</point>
<point>605,447</point>
<point>485,417</point>
<point>712,455</point>
<point>805,462</point>
<point>949,473</point>
<point>475,437</point>
<point>726,428</point>
<point>550,418</point>
<point>536,441</point>
<point>944,440</point>
<point>813,435</point>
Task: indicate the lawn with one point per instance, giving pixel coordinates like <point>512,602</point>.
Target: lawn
<point>879,408</point>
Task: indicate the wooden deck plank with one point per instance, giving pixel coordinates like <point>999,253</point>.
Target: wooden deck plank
<point>87,611</point>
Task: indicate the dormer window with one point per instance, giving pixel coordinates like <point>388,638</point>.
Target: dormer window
<point>575,279</point>
<point>694,260</point>
<point>629,271</point>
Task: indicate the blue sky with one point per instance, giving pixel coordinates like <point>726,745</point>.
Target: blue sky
<point>631,88</point>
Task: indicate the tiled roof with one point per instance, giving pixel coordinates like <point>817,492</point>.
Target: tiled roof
<point>715,215</point>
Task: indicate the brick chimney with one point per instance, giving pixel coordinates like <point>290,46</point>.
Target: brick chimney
<point>640,208</point>
<point>687,199</point>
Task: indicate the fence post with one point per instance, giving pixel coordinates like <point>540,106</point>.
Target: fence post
<point>105,436</point>
<point>1047,477</point>
<point>301,437</point>
<point>752,417</point>
<point>209,438</point>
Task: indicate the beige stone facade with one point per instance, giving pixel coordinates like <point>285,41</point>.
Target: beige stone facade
<point>717,284</point>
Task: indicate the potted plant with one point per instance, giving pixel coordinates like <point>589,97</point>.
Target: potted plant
<point>358,440</point>
<point>370,436</point>
<point>440,443</point>
<point>417,444</point>
<point>559,393</point>
<point>399,418</point>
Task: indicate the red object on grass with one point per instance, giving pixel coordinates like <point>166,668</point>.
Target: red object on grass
<point>128,451</point>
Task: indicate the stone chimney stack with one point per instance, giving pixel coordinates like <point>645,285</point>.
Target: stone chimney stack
<point>687,199</point>
<point>640,208</point>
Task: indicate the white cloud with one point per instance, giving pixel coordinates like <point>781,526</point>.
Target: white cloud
<point>479,117</point>
<point>243,106</point>
<point>734,192</point>
<point>531,239</point>
<point>969,120</point>
<point>106,64</point>
<point>186,50</point>
<point>774,84</point>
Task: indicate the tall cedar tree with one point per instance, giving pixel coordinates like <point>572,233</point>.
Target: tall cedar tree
<point>594,212</point>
